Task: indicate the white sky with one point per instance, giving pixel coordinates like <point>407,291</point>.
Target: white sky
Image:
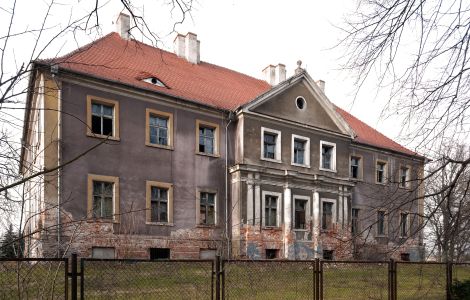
<point>242,35</point>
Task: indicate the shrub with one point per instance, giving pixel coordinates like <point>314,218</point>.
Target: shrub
<point>461,290</point>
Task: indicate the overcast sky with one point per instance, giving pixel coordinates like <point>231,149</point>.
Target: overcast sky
<point>242,35</point>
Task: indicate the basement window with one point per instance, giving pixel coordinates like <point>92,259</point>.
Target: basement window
<point>154,81</point>
<point>272,253</point>
<point>159,253</point>
<point>328,254</point>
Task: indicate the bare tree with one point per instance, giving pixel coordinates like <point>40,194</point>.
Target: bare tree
<point>419,51</point>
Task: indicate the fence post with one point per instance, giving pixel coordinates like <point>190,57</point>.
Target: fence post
<point>449,280</point>
<point>392,279</point>
<point>217,277</point>
<point>74,276</point>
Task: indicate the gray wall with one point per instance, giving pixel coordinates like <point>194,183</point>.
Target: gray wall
<point>135,163</point>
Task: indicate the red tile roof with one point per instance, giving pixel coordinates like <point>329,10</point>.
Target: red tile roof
<point>368,135</point>
<point>128,62</point>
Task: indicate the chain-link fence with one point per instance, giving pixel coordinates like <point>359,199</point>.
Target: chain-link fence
<point>33,278</point>
<point>138,279</point>
<point>421,280</point>
<point>268,279</point>
<point>354,280</point>
<point>461,271</point>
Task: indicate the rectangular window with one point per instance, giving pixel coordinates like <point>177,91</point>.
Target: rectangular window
<point>207,254</point>
<point>404,224</point>
<point>103,193</point>
<point>207,208</point>
<point>355,167</point>
<point>103,197</point>
<point>299,151</point>
<point>272,253</point>
<point>405,256</point>
<point>381,171</point>
<point>207,138</point>
<point>159,204</point>
<point>404,177</point>
<point>270,210</point>
<point>328,156</point>
<point>159,253</point>
<point>300,210</point>
<point>355,221</point>
<point>327,215</point>
<point>270,145</point>
<point>158,130</point>
<point>380,222</point>
<point>102,118</point>
<point>328,254</point>
<point>103,252</point>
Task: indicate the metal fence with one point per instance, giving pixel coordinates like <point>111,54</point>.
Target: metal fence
<point>226,279</point>
<point>145,279</point>
<point>28,278</point>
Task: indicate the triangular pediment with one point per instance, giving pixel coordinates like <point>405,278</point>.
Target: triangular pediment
<point>317,111</point>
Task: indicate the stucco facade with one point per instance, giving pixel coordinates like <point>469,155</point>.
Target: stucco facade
<point>246,182</point>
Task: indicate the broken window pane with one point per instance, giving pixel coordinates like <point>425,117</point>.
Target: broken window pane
<point>355,167</point>
<point>159,204</point>
<point>206,140</point>
<point>158,130</point>
<point>207,208</point>
<point>327,157</point>
<point>102,119</point>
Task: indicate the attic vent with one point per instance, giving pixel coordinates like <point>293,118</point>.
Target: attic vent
<point>154,81</point>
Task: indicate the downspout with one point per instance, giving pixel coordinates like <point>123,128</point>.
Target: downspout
<point>230,118</point>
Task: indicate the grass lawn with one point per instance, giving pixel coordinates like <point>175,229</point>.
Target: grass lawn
<point>243,280</point>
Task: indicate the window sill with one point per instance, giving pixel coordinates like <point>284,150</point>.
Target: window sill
<point>106,221</point>
<point>278,161</point>
<point>160,224</point>
<point>356,179</point>
<point>300,165</point>
<point>380,183</point>
<point>100,136</point>
<point>299,229</point>
<point>206,226</point>
<point>159,146</point>
<point>328,170</point>
<point>273,228</point>
<point>208,154</point>
<point>406,188</point>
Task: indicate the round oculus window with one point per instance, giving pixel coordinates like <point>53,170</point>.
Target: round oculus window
<point>300,103</point>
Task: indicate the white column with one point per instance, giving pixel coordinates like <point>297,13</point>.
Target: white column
<point>287,219</point>
<point>249,200</point>
<point>346,209</point>
<point>257,201</point>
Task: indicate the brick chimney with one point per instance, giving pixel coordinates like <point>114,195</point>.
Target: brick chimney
<point>274,74</point>
<point>188,47</point>
<point>123,25</point>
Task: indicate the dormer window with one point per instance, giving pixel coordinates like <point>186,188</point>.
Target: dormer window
<point>154,81</point>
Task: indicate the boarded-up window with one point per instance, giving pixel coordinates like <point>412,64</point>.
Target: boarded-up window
<point>103,252</point>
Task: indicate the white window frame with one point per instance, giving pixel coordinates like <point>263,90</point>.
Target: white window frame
<point>333,163</point>
<point>307,211</point>
<point>306,151</point>
<point>385,171</point>
<point>277,155</point>
<point>263,206</point>
<point>333,212</point>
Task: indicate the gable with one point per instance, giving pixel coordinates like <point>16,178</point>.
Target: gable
<point>317,111</point>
